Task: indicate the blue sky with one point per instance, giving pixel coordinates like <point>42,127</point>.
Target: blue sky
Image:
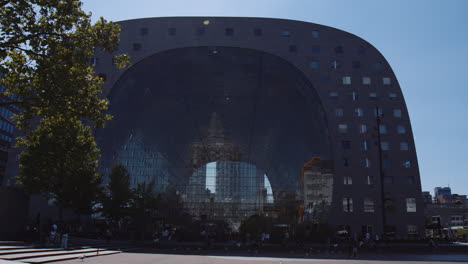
<point>425,42</point>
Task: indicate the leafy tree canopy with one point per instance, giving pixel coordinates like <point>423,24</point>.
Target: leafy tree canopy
<point>45,49</point>
<point>60,161</point>
<point>116,200</point>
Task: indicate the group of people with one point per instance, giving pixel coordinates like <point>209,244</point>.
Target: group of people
<point>58,236</point>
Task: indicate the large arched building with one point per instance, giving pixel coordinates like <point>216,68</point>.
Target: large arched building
<point>230,112</point>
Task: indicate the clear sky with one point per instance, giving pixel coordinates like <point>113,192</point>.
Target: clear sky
<point>425,42</point>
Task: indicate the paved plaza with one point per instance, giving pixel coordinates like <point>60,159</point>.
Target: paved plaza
<point>140,258</point>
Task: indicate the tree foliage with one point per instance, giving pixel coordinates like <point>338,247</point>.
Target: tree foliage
<point>45,49</point>
<point>116,199</point>
<point>59,162</point>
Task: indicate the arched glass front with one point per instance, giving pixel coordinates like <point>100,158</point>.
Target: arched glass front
<point>230,129</point>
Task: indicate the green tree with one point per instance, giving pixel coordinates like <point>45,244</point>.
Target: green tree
<point>116,200</point>
<point>143,207</point>
<point>45,51</point>
<point>60,161</point>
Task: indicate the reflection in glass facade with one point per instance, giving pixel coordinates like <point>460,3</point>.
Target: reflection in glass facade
<point>228,128</point>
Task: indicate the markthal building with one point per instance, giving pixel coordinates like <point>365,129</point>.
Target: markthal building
<point>257,116</point>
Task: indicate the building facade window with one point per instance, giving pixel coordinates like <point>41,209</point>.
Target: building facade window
<point>382,129</point>
<point>343,128</point>
<point>358,112</point>
<point>356,64</point>
<point>292,48</point>
<point>347,180</point>
<point>346,80</point>
<point>409,180</point>
<point>397,113</point>
<point>411,205</point>
<point>369,180</point>
<point>365,145</point>
<point>401,129</point>
<point>315,34</point>
<point>339,50</point>
<point>366,163</point>
<point>386,81</point>
<point>144,31</point>
<point>136,46</point>
<point>386,163</point>
<point>404,146</point>
<point>334,64</point>
<point>384,145</point>
<point>366,80</point>
<point>338,112</point>
<point>406,164</point>
<point>354,96</point>
<point>388,180</point>
<point>346,162</point>
<point>347,205</point>
<point>333,95</point>
<point>369,205</point>
<point>373,96</point>
<point>315,49</point>
<point>346,144</point>
<point>285,33</point>
<point>229,31</point>
<point>412,229</point>
<point>362,128</point>
<point>313,64</point>
<point>392,96</point>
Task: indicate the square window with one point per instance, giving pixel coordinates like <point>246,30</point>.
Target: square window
<point>384,145</point>
<point>386,81</point>
<point>366,163</point>
<point>368,205</point>
<point>410,205</point>
<point>339,112</point>
<point>397,113</point>
<point>366,80</point>
<point>339,50</point>
<point>362,128</point>
<point>401,129</point>
<point>258,32</point>
<point>377,66</point>
<point>333,95</point>
<point>293,48</point>
<point>372,95</point>
<point>136,46</point>
<point>387,164</point>
<point>356,64</point>
<point>358,112</point>
<point>354,96</point>
<point>412,229</point>
<point>404,146</point>
<point>346,144</point>
<point>347,205</point>
<point>406,164</point>
<point>392,96</point>
<point>144,31</point>
<point>171,31</point>
<point>286,33</point>
<point>346,80</point>
<point>347,180</point>
<point>346,162</point>
<point>315,34</point>
<point>229,31</point>
<point>343,128</point>
<point>334,64</point>
<point>378,112</point>
<point>315,49</point>
<point>388,180</point>
<point>361,50</point>
<point>383,129</point>
<point>409,180</point>
<point>313,64</point>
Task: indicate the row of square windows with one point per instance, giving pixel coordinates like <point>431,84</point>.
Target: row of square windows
<point>369,205</point>
<point>359,112</point>
<point>363,128</point>
<point>229,31</point>
<point>384,145</point>
<point>386,163</point>
<point>369,180</point>
<point>354,96</point>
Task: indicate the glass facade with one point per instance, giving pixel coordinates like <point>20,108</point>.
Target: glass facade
<point>228,128</point>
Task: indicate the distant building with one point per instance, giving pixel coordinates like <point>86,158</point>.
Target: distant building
<point>427,197</point>
<point>442,191</point>
<point>6,131</point>
<point>451,199</point>
<point>446,215</point>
